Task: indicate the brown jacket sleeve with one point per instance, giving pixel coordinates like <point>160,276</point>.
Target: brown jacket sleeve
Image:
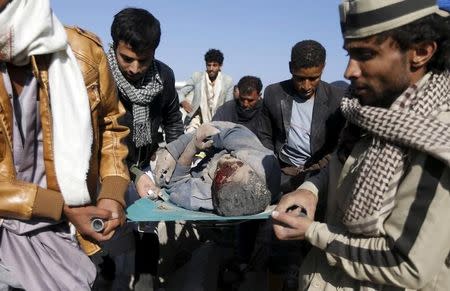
<point>113,169</point>
<point>107,163</point>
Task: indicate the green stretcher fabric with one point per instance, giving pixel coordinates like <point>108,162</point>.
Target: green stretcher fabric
<point>146,209</point>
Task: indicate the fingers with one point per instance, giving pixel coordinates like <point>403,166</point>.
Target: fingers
<point>186,106</point>
<point>100,236</point>
<point>301,198</point>
<point>286,202</point>
<point>290,226</point>
<point>147,189</point>
<point>115,219</point>
<point>96,212</point>
<point>111,225</point>
<point>289,220</point>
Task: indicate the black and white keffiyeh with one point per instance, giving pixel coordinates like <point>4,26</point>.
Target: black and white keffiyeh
<point>141,96</point>
<point>409,123</point>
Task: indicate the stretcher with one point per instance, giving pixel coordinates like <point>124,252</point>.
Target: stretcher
<point>146,209</point>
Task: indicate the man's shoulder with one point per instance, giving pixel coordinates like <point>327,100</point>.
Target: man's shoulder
<point>164,68</point>
<point>225,111</point>
<point>230,104</point>
<point>76,34</point>
<point>331,90</point>
<point>86,46</point>
<point>197,76</point>
<point>226,78</point>
<point>273,90</point>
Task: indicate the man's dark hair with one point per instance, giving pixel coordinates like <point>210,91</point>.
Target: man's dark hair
<point>430,28</point>
<point>214,55</point>
<point>248,84</point>
<point>136,27</point>
<point>307,54</point>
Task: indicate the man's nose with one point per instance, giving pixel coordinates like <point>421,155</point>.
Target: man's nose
<point>353,70</point>
<point>134,67</point>
<point>306,85</point>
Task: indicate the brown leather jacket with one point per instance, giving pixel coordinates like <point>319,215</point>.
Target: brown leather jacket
<point>24,200</point>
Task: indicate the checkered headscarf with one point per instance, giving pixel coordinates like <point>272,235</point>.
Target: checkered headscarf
<point>409,123</point>
<point>140,96</point>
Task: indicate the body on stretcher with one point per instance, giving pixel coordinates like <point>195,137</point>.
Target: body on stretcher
<point>146,209</point>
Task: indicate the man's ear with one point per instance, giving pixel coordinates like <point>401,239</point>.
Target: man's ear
<point>422,53</point>
<point>290,67</point>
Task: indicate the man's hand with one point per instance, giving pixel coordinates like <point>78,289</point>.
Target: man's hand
<point>81,217</point>
<point>117,217</point>
<point>144,184</point>
<point>186,106</point>
<point>202,136</point>
<point>290,224</point>
<point>301,198</point>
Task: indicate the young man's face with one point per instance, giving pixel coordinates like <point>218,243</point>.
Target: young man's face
<point>248,101</point>
<point>213,69</point>
<point>306,80</point>
<point>378,72</point>
<point>133,66</point>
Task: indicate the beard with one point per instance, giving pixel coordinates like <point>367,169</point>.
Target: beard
<point>381,95</point>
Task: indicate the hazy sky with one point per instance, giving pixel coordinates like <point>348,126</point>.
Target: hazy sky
<point>256,36</point>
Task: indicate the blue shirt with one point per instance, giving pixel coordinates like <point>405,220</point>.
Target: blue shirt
<point>298,148</point>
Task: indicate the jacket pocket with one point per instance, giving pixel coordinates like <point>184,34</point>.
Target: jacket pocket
<point>94,101</point>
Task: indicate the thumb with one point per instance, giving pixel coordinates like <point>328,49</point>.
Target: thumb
<point>101,213</point>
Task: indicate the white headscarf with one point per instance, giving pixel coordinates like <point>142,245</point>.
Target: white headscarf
<point>29,27</point>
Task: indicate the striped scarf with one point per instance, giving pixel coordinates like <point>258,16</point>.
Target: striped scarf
<point>140,96</point>
<point>410,123</point>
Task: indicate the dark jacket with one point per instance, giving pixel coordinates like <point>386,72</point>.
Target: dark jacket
<point>229,112</point>
<point>164,112</point>
<point>327,120</point>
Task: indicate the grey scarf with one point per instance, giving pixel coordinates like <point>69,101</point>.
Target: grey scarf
<point>140,96</point>
<point>409,123</point>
